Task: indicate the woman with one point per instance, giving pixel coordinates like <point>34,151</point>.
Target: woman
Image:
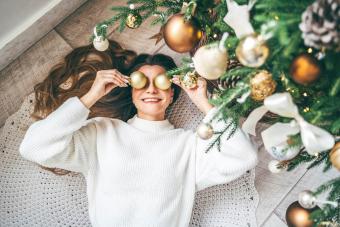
<point>143,172</point>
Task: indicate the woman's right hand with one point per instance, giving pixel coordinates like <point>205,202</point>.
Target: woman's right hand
<point>105,81</point>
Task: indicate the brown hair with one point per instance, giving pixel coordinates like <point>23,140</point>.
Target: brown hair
<point>74,77</point>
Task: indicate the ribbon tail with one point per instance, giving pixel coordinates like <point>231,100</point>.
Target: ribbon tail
<point>315,139</point>
<point>249,126</point>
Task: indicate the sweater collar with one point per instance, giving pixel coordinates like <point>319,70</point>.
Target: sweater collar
<point>150,126</point>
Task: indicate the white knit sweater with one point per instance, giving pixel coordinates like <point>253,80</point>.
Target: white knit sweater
<point>139,173</point>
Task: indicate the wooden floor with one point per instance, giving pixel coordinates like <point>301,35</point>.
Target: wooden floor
<point>277,191</point>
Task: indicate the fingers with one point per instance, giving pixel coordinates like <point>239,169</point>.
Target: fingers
<point>118,78</point>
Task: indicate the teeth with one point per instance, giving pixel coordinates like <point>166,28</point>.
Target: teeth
<point>151,100</point>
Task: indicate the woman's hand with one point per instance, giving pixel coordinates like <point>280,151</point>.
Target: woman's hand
<point>105,81</point>
<point>198,95</point>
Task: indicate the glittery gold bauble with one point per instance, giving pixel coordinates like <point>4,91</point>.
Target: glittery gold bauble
<point>262,85</point>
<point>181,35</point>
<point>334,156</point>
<point>138,80</point>
<point>205,131</point>
<point>297,216</point>
<point>305,69</point>
<point>133,20</point>
<point>252,51</point>
<point>162,82</point>
<point>189,80</point>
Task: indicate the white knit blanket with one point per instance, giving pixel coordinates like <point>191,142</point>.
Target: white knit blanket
<point>31,196</point>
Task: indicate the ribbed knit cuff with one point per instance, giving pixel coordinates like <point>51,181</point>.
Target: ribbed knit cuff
<point>71,111</point>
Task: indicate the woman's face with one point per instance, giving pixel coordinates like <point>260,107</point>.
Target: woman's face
<point>150,101</point>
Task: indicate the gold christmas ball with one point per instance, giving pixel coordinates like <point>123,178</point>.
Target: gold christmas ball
<point>297,216</point>
<point>133,20</point>
<point>305,69</point>
<point>205,131</point>
<point>189,80</point>
<point>138,80</point>
<point>262,85</point>
<point>162,82</point>
<point>252,51</point>
<point>334,156</point>
<point>181,35</point>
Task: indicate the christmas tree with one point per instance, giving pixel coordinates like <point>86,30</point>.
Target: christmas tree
<point>269,60</point>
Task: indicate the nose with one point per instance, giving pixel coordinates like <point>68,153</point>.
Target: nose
<point>151,88</point>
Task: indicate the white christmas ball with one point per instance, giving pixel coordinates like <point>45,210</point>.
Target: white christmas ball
<point>210,61</point>
<point>307,200</point>
<point>101,44</point>
<point>273,166</point>
<point>205,131</point>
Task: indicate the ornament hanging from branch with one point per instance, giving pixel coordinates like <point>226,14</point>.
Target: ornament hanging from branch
<point>100,43</point>
<point>211,61</point>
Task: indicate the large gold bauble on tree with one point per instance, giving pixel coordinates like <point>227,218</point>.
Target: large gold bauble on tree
<point>262,85</point>
<point>138,80</point>
<point>297,216</point>
<point>133,20</point>
<point>181,35</point>
<point>334,156</point>
<point>305,69</point>
<point>252,50</point>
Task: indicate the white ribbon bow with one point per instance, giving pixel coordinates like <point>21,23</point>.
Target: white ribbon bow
<point>313,138</point>
<point>238,18</point>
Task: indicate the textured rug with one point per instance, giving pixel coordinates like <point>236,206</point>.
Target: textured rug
<point>32,196</point>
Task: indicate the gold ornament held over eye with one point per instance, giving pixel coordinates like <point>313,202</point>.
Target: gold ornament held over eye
<point>162,82</point>
<point>138,80</point>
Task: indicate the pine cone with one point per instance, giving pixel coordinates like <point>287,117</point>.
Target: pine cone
<point>320,25</point>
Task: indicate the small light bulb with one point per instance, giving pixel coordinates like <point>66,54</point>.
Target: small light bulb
<point>309,50</point>
<point>276,17</point>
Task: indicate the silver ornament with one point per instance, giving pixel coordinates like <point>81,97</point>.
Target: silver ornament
<point>205,131</point>
<point>100,43</point>
<point>307,200</point>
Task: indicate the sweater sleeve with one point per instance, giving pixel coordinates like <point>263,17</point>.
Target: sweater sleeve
<point>64,139</point>
<point>236,156</point>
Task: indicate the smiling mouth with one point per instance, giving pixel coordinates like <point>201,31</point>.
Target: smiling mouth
<point>151,100</point>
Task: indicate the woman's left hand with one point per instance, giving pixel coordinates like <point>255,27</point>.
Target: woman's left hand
<point>198,95</point>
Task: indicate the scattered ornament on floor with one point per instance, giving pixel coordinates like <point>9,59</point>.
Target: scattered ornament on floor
<point>320,25</point>
<point>100,43</point>
<point>205,131</point>
<point>211,61</point>
<point>334,156</point>
<point>274,166</point>
<point>305,69</point>
<point>189,79</point>
<point>182,35</point>
<point>138,80</point>
<point>133,20</point>
<point>307,199</point>
<point>297,216</point>
<point>162,82</point>
<point>252,50</point>
<point>262,85</point>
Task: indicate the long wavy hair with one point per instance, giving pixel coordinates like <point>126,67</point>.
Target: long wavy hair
<point>75,75</point>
